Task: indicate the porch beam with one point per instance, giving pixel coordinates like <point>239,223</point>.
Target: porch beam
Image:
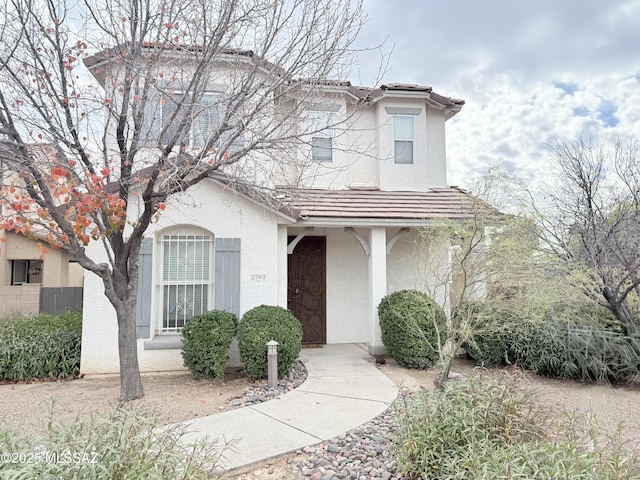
<point>359,238</point>
<point>292,245</point>
<point>400,233</point>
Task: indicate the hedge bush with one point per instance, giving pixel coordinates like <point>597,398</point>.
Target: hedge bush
<point>567,341</point>
<point>575,350</point>
<point>486,430</point>
<point>413,328</point>
<point>40,346</point>
<point>205,341</point>
<point>261,325</point>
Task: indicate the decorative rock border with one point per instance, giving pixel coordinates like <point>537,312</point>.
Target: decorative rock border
<point>260,392</point>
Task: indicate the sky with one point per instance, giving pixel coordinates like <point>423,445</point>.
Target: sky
<point>529,72</point>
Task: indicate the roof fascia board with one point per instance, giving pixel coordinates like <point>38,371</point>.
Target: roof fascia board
<point>365,222</point>
<point>225,58</point>
<point>401,94</point>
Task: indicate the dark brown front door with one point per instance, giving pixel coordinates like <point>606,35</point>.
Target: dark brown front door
<point>307,287</point>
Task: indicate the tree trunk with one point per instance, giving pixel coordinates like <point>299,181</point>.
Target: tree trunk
<point>625,315</point>
<point>130,381</point>
<point>622,312</point>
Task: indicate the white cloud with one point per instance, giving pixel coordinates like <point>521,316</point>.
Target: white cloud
<point>529,72</point>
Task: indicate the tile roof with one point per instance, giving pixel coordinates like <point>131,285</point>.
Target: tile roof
<point>448,202</point>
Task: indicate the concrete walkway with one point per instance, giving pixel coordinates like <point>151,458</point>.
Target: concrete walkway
<point>343,390</point>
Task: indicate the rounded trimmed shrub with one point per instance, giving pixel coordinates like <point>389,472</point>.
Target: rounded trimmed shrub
<point>261,325</point>
<point>413,328</point>
<point>205,341</point>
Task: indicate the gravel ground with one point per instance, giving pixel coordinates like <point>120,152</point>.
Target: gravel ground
<point>360,454</point>
<point>363,453</point>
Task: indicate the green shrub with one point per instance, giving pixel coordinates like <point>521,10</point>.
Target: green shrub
<point>125,444</point>
<point>482,327</point>
<point>261,325</point>
<point>567,341</point>
<point>413,328</point>
<point>40,346</point>
<point>205,341</point>
<point>484,430</point>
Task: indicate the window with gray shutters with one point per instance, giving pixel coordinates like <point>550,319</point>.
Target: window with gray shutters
<point>186,278</point>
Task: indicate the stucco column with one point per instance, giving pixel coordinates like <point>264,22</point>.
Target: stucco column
<point>282,266</point>
<point>377,284</point>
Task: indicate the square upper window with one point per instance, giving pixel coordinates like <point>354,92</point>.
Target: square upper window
<point>206,118</point>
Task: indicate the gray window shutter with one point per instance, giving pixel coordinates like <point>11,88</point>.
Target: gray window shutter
<point>227,275</point>
<point>143,300</point>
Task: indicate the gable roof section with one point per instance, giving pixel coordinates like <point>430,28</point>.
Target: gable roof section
<point>378,206</point>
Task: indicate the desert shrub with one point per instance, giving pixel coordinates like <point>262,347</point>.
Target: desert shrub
<point>482,327</point>
<point>205,341</point>
<point>566,341</point>
<point>487,430</point>
<point>123,444</point>
<point>413,328</point>
<point>40,346</point>
<point>261,325</point>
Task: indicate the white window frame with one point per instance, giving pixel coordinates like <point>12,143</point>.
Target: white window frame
<point>210,108</point>
<point>322,149</point>
<point>405,139</point>
<point>178,288</point>
<point>320,122</point>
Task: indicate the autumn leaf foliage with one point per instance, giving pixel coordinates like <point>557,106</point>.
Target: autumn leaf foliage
<point>85,199</point>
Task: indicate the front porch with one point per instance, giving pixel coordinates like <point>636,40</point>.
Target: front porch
<point>337,275</point>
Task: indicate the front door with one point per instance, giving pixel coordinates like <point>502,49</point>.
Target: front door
<point>306,292</point>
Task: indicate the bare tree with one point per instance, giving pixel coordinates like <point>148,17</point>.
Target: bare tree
<point>186,89</point>
<point>491,255</point>
<point>590,218</point>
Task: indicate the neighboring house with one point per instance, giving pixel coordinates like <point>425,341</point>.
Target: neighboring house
<point>329,250</point>
<point>32,282</point>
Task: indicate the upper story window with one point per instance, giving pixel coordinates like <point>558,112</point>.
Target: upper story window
<point>322,149</point>
<point>208,117</point>
<point>403,139</point>
<point>322,136</point>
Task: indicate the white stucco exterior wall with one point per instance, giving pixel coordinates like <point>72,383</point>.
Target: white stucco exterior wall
<point>207,206</point>
<point>414,265</point>
<point>436,149</point>
<point>347,289</point>
<point>429,165</point>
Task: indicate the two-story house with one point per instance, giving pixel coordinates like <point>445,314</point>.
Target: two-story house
<point>335,234</point>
